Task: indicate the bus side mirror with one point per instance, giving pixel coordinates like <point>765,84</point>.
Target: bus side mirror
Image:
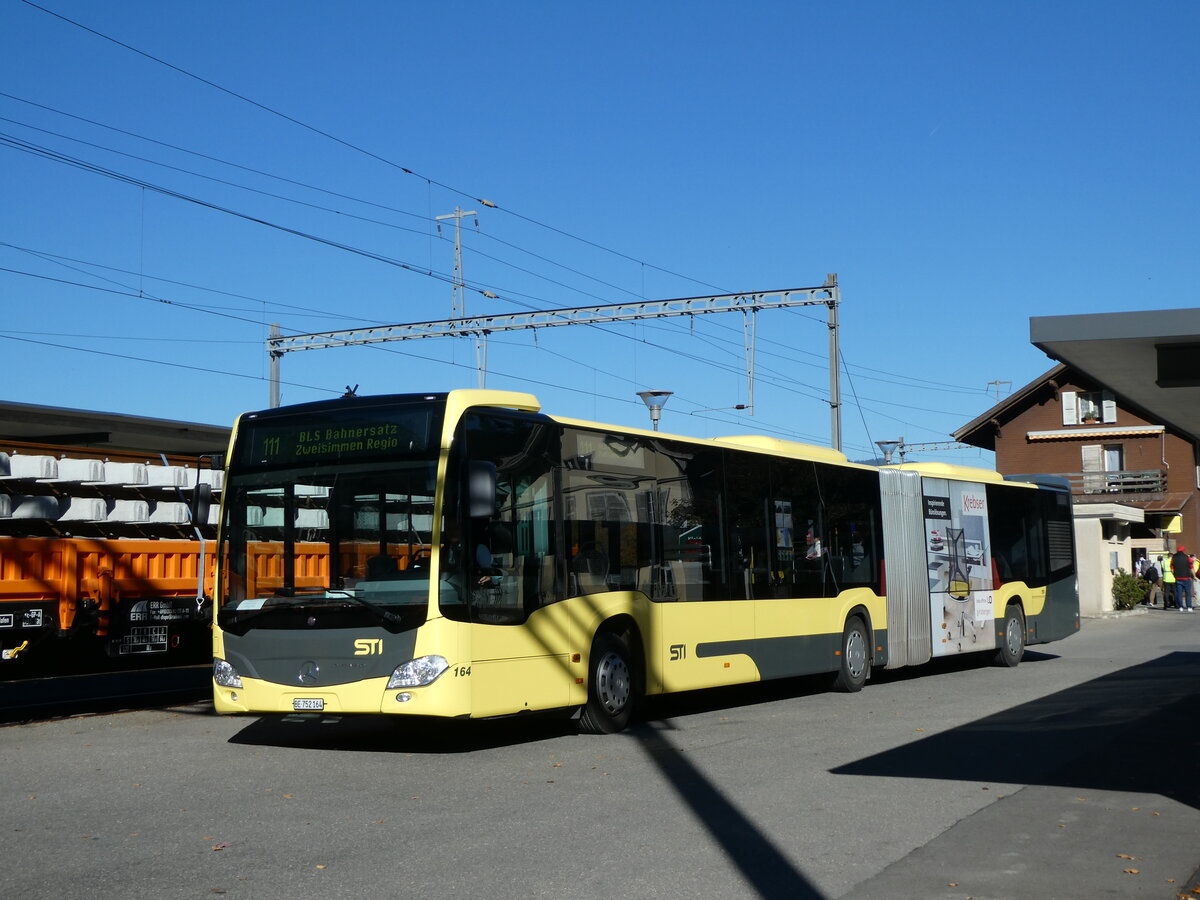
<point>201,501</point>
<point>481,489</point>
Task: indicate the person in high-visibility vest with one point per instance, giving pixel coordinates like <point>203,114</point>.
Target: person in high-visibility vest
<point>1168,578</point>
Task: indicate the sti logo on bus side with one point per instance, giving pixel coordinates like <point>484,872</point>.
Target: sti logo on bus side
<point>368,647</point>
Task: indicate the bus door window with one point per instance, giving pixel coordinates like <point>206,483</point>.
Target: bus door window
<point>747,476</point>
<point>509,558</point>
<point>850,498</point>
<point>691,485</point>
<point>799,539</point>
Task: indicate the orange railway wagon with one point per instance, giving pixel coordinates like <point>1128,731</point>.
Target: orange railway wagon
<point>136,596</point>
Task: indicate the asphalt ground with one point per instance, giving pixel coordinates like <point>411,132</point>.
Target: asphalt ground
<point>1073,775</point>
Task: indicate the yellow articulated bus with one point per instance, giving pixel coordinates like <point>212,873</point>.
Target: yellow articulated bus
<point>464,555</point>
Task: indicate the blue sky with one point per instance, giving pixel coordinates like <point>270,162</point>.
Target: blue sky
<point>961,166</point>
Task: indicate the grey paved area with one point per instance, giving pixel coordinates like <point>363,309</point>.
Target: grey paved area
<point>951,780</point>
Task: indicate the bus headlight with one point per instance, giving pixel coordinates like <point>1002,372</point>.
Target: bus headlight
<point>226,675</point>
<point>418,672</point>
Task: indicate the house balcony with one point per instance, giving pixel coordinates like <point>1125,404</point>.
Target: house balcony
<point>1131,484</point>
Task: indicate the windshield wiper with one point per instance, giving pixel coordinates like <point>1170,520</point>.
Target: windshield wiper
<point>384,614</point>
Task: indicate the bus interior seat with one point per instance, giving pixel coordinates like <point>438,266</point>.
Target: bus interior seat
<point>5,506</point>
<point>591,560</point>
<point>5,465</point>
<point>590,569</point>
<point>382,568</point>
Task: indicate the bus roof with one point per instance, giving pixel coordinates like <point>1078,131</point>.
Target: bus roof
<point>780,447</point>
<point>462,399</point>
<point>954,472</point>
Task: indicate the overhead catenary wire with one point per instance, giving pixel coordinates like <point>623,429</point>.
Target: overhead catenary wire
<point>330,210</point>
<point>83,164</point>
<point>274,304</point>
<point>373,221</point>
<point>158,362</point>
<point>426,217</point>
<point>359,149</point>
<point>367,152</point>
<point>179,195</point>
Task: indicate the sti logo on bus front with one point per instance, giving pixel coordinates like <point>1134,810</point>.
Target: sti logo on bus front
<point>368,647</point>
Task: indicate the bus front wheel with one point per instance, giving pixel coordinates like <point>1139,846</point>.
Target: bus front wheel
<point>612,686</point>
<point>855,658</point>
<point>1012,638</point>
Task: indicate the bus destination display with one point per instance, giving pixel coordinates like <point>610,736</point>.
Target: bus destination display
<point>301,441</point>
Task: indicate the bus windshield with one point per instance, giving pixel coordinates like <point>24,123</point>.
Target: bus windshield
<point>323,528</point>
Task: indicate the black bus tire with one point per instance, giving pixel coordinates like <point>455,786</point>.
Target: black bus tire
<point>613,690</point>
<point>855,658</point>
<point>1012,638</point>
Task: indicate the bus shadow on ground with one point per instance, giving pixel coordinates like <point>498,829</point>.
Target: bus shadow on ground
<point>1134,730</point>
<point>413,734</point>
<point>407,735</point>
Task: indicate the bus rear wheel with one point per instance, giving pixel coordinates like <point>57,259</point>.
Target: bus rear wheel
<point>855,658</point>
<point>1012,638</point>
<point>612,686</point>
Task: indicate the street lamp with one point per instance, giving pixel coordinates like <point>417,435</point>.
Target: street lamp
<point>655,400</point>
<point>888,448</point>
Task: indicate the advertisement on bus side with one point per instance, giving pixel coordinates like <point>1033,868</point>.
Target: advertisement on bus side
<point>962,606</point>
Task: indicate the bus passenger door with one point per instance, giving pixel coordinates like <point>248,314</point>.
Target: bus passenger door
<point>519,634</point>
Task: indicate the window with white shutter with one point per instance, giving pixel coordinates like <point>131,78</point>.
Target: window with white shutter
<point>1094,481</point>
<point>1068,408</point>
<point>1108,404</point>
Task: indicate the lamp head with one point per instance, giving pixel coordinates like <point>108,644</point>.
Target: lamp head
<point>655,400</point>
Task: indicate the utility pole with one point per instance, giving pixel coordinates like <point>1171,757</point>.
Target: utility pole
<point>835,361</point>
<point>996,386</point>
<point>274,355</point>
<point>458,308</point>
